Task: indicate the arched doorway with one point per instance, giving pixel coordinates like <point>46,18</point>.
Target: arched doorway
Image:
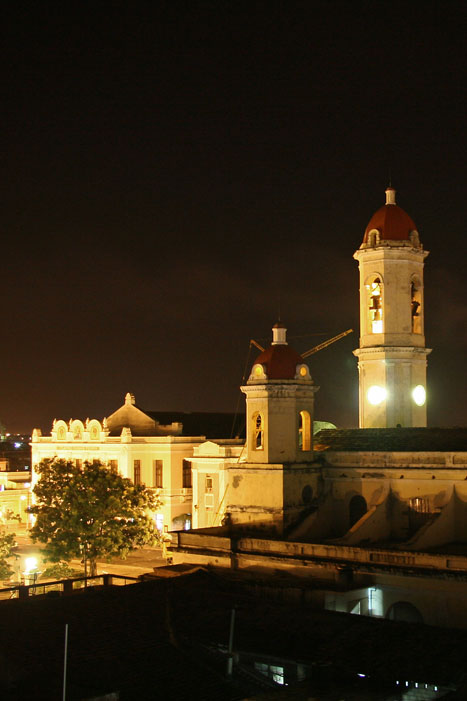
<point>357,508</point>
<point>404,611</point>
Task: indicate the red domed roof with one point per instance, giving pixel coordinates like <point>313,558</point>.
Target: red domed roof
<point>391,221</point>
<point>280,362</point>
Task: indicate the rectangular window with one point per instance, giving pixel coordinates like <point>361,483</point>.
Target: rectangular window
<point>208,484</point>
<point>158,464</point>
<point>186,475</point>
<point>137,472</point>
<point>209,502</point>
<point>113,464</point>
<point>420,505</point>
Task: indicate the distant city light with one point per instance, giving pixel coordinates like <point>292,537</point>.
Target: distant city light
<point>17,445</point>
<point>376,395</point>
<point>419,395</point>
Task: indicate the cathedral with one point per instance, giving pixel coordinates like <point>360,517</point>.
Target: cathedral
<point>378,514</point>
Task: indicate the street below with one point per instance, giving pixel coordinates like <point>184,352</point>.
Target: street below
<point>136,564</point>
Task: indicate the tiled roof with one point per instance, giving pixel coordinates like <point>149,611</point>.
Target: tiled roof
<point>202,423</point>
<point>280,362</point>
<point>392,223</point>
<point>149,641</point>
<point>392,439</point>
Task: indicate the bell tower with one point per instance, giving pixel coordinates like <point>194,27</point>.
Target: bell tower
<point>392,357</point>
<point>279,405</point>
<point>274,480</point>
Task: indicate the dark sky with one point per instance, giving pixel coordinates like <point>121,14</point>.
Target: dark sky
<point>173,171</point>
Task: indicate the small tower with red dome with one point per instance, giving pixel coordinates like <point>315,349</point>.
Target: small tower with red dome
<point>392,357</point>
<point>279,405</point>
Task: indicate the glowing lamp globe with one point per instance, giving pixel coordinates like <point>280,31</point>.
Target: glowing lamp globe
<point>376,395</point>
<point>419,395</point>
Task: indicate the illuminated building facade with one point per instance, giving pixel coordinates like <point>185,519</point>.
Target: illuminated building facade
<point>134,443</point>
<point>263,483</point>
<point>392,354</point>
<point>377,515</point>
<point>210,476</point>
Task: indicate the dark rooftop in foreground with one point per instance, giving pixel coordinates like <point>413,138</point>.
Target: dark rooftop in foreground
<point>392,440</point>
<point>152,640</point>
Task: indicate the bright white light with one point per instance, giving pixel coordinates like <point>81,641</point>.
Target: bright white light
<point>376,395</point>
<point>419,395</point>
<point>30,565</point>
<point>22,497</point>
<point>17,445</point>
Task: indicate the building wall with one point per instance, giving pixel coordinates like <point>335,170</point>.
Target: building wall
<point>211,487</point>
<point>15,497</point>
<point>343,577</point>
<point>80,443</point>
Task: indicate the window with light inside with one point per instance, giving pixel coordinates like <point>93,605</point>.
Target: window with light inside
<point>375,307</point>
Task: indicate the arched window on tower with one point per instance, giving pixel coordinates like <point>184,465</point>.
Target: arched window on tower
<point>375,305</point>
<point>416,305</point>
<point>258,431</point>
<point>304,430</point>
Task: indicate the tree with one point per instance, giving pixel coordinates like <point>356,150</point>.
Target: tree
<point>90,512</point>
<point>60,570</point>
<point>7,543</point>
<point>9,515</point>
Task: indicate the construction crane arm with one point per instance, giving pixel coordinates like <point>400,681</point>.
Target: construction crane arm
<point>256,344</point>
<point>327,343</point>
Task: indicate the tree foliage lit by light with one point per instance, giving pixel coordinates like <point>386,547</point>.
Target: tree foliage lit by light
<point>90,512</point>
<point>7,543</point>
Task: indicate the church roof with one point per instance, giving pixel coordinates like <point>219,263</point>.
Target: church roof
<point>142,422</point>
<point>203,423</point>
<point>280,362</point>
<point>392,222</point>
<point>392,440</point>
<point>279,359</point>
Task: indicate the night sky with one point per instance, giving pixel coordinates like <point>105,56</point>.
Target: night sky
<point>174,172</point>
